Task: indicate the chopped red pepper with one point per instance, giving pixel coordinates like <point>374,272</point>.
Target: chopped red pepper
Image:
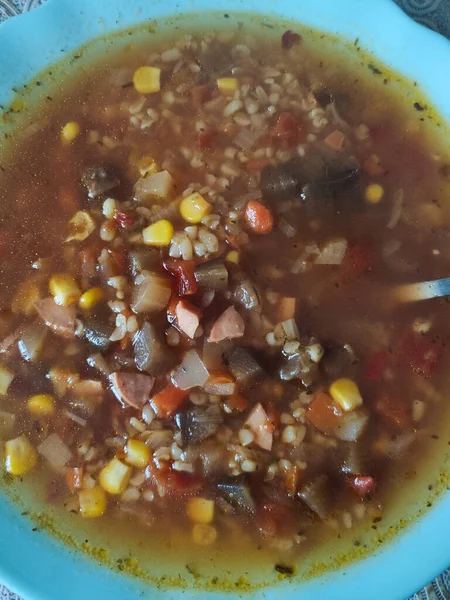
<point>375,365</point>
<point>273,518</point>
<point>362,485</point>
<point>175,484</point>
<point>183,271</point>
<point>207,139</point>
<point>290,39</point>
<point>124,219</point>
<point>357,260</point>
<point>287,130</point>
<point>255,165</point>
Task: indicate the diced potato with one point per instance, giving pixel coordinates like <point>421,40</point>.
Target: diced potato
<point>64,289</point>
<point>156,186</point>
<point>346,393</point>
<point>81,225</point>
<point>41,405</point>
<point>114,477</point>
<point>70,131</point>
<point>204,534</point>
<point>137,454</point>
<point>93,502</point>
<point>158,234</point>
<point>147,80</point>
<point>194,207</point>
<point>200,510</point>
<point>227,85</point>
<point>6,378</point>
<point>20,456</point>
<point>91,298</point>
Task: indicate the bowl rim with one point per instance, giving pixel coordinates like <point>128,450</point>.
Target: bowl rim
<point>413,557</point>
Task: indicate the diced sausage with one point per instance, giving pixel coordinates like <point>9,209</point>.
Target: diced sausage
<point>228,326</point>
<point>188,317</point>
<point>132,388</point>
<point>61,319</point>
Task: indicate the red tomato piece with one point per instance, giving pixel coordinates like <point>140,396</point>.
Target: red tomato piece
<point>273,518</point>
<point>362,485</point>
<point>176,484</point>
<point>287,130</point>
<point>394,411</point>
<point>124,219</point>
<point>357,260</point>
<point>183,271</point>
<point>207,139</point>
<point>422,352</point>
<point>323,413</point>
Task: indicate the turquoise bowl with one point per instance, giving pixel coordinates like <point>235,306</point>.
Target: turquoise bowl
<point>37,566</point>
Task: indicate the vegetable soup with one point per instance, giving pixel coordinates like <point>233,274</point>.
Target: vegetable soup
<point>200,245</point>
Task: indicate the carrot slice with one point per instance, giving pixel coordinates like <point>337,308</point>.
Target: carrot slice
<point>323,413</point>
<point>258,217</point>
<point>166,402</point>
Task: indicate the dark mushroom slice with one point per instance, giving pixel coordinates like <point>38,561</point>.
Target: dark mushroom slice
<point>99,179</point>
<point>316,494</point>
<point>198,424</point>
<point>236,491</point>
<point>151,353</point>
<point>98,333</point>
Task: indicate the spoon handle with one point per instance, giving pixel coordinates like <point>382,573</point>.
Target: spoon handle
<point>411,292</point>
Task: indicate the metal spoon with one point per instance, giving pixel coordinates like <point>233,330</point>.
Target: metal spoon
<point>411,292</point>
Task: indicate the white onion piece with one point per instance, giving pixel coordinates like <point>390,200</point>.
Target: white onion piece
<point>191,372</point>
<point>352,425</point>
<point>246,139</point>
<point>332,253</point>
<point>397,208</point>
<point>55,451</point>
<point>75,418</point>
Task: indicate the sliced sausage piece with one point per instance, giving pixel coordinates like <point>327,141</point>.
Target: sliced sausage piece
<point>61,319</point>
<point>228,326</point>
<point>132,388</point>
<point>188,317</point>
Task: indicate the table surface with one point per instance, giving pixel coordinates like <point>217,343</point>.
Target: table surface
<point>434,14</point>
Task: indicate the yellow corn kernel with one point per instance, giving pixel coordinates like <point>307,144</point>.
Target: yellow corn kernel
<point>114,477</point>
<point>27,294</point>
<point>194,207</point>
<point>81,225</point>
<point>374,193</point>
<point>158,234</point>
<point>200,510</point>
<point>64,289</point>
<point>6,378</point>
<point>91,298</point>
<point>346,393</point>
<point>233,257</point>
<point>204,534</point>
<point>41,405</point>
<point>92,502</point>
<point>227,85</point>
<point>138,454</point>
<point>70,131</point>
<point>147,166</point>
<point>147,80</point>
<point>20,456</point>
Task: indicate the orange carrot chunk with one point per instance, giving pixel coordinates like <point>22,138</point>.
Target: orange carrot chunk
<point>166,402</point>
<point>258,217</point>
